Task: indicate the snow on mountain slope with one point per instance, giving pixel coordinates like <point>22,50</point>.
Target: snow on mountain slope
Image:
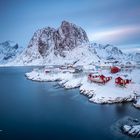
<point>82,55</point>
<point>67,44</point>
<point>9,50</point>
<point>136,57</point>
<point>133,54</point>
<point>108,52</point>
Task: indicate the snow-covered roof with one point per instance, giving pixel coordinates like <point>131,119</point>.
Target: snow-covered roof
<point>116,67</point>
<point>125,77</point>
<point>97,73</point>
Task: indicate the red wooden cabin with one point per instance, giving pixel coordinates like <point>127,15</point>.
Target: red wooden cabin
<point>122,80</point>
<point>115,69</point>
<point>98,78</point>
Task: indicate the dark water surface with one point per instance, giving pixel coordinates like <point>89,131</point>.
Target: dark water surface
<point>40,111</point>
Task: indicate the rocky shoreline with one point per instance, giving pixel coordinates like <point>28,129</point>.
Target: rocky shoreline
<point>96,93</point>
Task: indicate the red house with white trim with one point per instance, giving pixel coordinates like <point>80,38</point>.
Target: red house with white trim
<point>99,78</point>
<point>122,80</point>
<point>115,69</point>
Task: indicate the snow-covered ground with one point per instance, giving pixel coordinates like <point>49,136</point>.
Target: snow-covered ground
<point>97,93</point>
<point>108,93</point>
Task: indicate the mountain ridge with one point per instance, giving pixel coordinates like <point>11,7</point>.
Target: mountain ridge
<point>66,44</point>
<point>9,50</point>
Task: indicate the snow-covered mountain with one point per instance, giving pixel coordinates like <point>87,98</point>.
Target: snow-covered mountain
<point>9,50</point>
<point>67,37</point>
<point>67,44</point>
<point>133,54</point>
<point>108,52</point>
<point>136,57</point>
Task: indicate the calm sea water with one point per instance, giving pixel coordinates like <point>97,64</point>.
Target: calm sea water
<point>40,111</point>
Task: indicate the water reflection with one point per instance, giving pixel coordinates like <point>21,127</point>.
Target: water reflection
<point>121,109</point>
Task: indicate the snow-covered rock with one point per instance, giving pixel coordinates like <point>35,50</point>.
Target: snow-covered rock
<point>132,130</point>
<point>67,37</point>
<point>40,75</point>
<point>97,93</point>
<point>127,126</point>
<point>9,50</point>
<point>133,54</point>
<point>137,104</point>
<point>108,52</point>
<point>135,57</point>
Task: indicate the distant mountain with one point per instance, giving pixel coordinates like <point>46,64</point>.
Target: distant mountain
<point>67,44</point>
<point>108,52</point>
<point>9,50</point>
<point>133,54</point>
<point>136,57</point>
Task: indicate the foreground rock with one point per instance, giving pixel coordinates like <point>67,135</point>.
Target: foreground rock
<point>133,130</point>
<point>127,126</point>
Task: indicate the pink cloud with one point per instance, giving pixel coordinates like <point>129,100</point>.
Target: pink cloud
<point>114,34</point>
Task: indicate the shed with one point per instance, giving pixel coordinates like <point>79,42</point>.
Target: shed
<point>122,80</point>
<point>115,69</point>
<point>99,78</point>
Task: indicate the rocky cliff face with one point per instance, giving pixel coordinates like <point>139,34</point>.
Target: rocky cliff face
<point>67,37</point>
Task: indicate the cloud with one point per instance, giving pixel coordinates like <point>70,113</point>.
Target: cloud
<point>130,50</point>
<point>115,34</point>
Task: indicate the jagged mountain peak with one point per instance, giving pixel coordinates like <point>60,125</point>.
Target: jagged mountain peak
<point>66,44</point>
<point>72,30</point>
<point>66,23</point>
<point>67,37</point>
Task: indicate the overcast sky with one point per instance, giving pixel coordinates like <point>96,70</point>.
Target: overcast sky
<point>105,21</point>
